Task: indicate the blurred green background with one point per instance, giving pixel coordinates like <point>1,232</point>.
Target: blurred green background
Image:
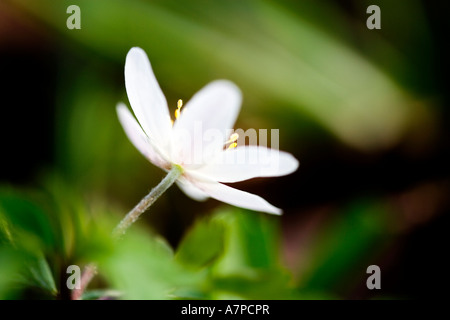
<point>363,110</point>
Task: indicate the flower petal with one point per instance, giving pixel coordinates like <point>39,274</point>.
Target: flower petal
<point>236,197</point>
<point>191,191</point>
<point>247,162</point>
<point>146,98</point>
<point>205,122</point>
<point>137,136</point>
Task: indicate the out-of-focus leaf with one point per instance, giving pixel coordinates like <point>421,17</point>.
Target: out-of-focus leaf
<point>142,267</point>
<point>101,295</point>
<point>42,274</point>
<point>84,231</point>
<point>25,216</point>
<point>23,250</point>
<point>10,263</point>
<point>6,237</point>
<point>251,241</point>
<point>23,243</point>
<point>202,244</point>
<point>276,55</point>
<point>41,234</point>
<point>249,267</point>
<point>273,285</point>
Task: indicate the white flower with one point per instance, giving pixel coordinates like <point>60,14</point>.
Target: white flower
<point>195,141</point>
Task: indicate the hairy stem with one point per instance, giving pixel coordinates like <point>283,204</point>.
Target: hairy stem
<point>147,201</point>
<point>91,269</point>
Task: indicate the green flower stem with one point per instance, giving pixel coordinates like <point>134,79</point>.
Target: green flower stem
<point>126,222</point>
<point>147,201</point>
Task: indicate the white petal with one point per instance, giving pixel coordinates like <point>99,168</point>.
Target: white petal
<point>205,122</point>
<point>236,197</point>
<point>146,98</point>
<point>248,162</point>
<point>191,191</point>
<point>137,135</point>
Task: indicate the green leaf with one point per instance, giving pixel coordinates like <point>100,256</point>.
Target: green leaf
<point>42,274</point>
<point>41,233</point>
<point>261,285</point>
<point>101,294</point>
<point>6,237</point>
<point>251,241</point>
<point>203,244</point>
<point>142,266</point>
<point>28,217</point>
<point>249,267</point>
<point>10,264</point>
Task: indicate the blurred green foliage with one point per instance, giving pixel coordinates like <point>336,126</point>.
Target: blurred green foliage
<point>209,262</point>
<point>41,234</point>
<point>231,254</point>
<point>273,53</point>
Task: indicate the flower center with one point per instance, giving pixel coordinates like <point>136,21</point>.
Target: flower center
<point>231,142</point>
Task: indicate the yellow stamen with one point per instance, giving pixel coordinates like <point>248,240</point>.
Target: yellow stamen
<point>232,146</point>
<point>233,138</point>
<point>179,105</point>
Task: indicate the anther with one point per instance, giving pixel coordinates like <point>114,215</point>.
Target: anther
<point>179,105</point>
<point>233,138</point>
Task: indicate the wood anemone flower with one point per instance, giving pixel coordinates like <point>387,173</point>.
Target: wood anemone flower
<point>196,142</point>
